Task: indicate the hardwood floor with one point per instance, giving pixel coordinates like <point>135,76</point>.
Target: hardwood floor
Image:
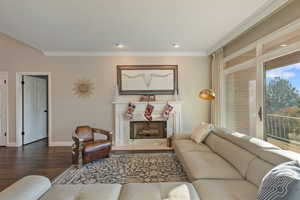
<point>284,145</point>
<point>34,159</point>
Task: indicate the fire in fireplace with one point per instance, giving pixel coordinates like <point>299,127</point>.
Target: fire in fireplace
<point>148,130</point>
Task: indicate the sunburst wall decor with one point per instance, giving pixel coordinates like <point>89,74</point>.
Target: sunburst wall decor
<point>83,88</point>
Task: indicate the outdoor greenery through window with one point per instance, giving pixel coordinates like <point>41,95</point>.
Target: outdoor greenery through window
<point>282,103</point>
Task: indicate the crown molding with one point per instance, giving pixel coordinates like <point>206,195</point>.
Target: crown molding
<point>124,53</point>
<point>267,9</point>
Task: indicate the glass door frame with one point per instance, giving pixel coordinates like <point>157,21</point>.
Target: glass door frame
<point>262,62</point>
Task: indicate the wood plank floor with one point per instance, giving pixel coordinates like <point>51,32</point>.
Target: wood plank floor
<point>284,145</point>
<point>34,159</point>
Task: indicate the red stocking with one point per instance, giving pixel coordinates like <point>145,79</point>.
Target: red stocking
<point>168,109</point>
<point>148,112</point>
<point>130,110</point>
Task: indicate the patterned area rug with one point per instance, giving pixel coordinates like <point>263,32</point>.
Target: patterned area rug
<point>127,168</point>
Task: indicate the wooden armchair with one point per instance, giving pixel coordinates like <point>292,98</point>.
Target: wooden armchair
<point>88,147</point>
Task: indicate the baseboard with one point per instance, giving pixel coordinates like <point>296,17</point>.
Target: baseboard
<point>60,144</point>
<point>12,145</point>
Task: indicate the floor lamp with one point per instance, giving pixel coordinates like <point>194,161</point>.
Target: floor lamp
<point>207,94</point>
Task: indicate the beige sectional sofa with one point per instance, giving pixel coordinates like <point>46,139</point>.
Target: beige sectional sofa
<point>227,166</point>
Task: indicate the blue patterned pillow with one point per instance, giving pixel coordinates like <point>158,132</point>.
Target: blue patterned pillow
<point>281,183</point>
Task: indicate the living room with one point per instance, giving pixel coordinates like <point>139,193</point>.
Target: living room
<point>149,99</point>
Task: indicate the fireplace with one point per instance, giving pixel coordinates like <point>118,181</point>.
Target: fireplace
<point>148,129</point>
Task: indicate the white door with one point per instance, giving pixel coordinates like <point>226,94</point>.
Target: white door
<point>35,107</point>
<point>3,108</point>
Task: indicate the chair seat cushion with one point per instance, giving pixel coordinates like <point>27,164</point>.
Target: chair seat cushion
<point>225,190</point>
<point>97,145</point>
<point>83,192</point>
<point>190,146</point>
<point>157,191</point>
<point>207,165</point>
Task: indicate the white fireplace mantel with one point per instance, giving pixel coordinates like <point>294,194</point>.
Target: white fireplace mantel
<point>122,123</point>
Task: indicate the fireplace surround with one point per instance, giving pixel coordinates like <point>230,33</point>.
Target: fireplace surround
<point>121,135</point>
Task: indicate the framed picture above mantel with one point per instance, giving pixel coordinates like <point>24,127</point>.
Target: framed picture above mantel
<point>147,79</point>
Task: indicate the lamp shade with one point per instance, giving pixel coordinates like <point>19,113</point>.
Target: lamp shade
<point>207,94</point>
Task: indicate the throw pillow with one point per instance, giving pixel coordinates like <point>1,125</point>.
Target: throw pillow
<point>281,183</point>
<point>201,132</point>
<point>180,192</point>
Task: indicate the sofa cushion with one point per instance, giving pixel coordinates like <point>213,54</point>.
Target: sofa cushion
<point>238,157</point>
<point>29,188</point>
<point>210,141</point>
<point>277,157</point>
<point>189,146</point>
<point>257,170</point>
<point>83,192</point>
<point>251,144</point>
<point>208,165</point>
<point>225,190</point>
<point>156,191</point>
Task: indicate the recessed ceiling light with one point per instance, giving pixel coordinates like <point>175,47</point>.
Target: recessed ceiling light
<point>175,45</point>
<point>119,45</point>
<point>284,45</point>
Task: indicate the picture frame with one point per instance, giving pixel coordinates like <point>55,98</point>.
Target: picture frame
<point>147,79</point>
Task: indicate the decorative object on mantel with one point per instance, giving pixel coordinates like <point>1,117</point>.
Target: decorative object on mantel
<point>167,110</point>
<point>147,98</point>
<point>83,88</point>
<point>147,79</point>
<point>130,110</point>
<point>148,112</point>
<point>207,94</point>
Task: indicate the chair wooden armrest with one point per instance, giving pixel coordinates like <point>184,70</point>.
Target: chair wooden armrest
<point>77,148</point>
<point>104,132</point>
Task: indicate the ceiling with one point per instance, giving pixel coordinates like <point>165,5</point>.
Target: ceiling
<point>95,26</point>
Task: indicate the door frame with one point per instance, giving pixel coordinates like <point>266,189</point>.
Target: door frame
<point>5,74</point>
<point>19,105</point>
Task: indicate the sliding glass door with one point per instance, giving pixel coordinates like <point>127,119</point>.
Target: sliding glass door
<point>282,99</point>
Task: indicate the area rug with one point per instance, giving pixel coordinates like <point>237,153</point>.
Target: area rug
<point>127,168</point>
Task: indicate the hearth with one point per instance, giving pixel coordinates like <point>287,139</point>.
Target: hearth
<point>148,129</point>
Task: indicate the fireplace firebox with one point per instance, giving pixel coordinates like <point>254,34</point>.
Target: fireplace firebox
<point>148,129</point>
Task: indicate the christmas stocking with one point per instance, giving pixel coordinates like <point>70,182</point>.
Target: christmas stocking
<point>168,109</point>
<point>130,110</point>
<point>148,112</point>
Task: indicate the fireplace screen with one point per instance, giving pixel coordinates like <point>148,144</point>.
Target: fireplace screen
<point>148,130</point>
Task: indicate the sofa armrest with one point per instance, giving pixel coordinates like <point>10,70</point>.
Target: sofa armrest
<point>181,136</point>
<point>29,188</point>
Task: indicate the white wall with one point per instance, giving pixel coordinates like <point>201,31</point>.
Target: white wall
<point>69,111</point>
